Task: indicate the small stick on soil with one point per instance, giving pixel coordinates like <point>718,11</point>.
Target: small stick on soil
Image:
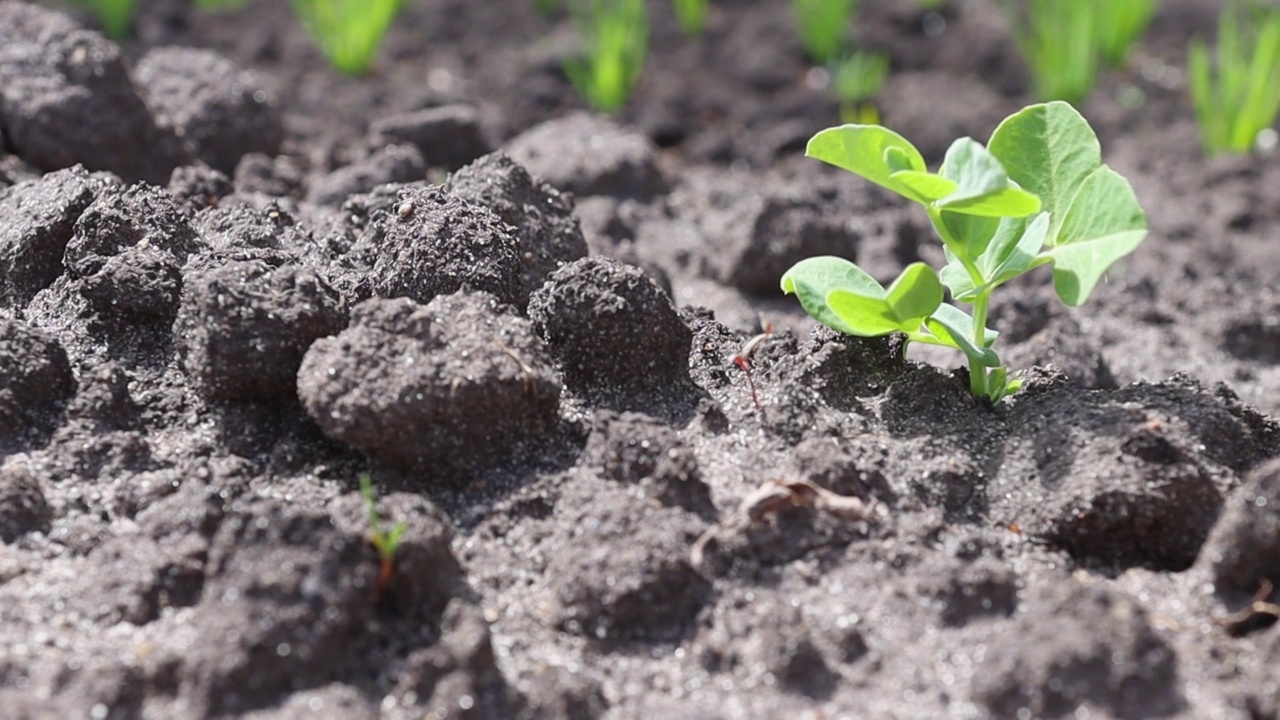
<point>1257,606</point>
<point>743,360</point>
<point>781,494</point>
<point>528,371</point>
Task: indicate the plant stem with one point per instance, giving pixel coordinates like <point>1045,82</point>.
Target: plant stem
<point>977,372</point>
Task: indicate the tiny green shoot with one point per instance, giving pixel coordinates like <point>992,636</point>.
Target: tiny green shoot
<point>1120,24</point>
<point>384,541</point>
<point>1058,41</point>
<point>856,79</point>
<point>115,16</point>
<point>822,25</point>
<point>613,38</point>
<point>1037,194</point>
<point>692,15</point>
<point>546,8</point>
<point>1237,95</point>
<point>348,32</point>
<point>220,5</point>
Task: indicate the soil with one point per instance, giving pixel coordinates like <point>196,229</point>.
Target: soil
<point>231,282</point>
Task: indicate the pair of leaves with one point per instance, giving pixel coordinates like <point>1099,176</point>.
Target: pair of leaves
<point>845,298</point>
<point>971,180</point>
<point>1043,158</point>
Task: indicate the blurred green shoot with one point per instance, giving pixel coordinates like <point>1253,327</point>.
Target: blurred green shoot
<point>1120,24</point>
<point>931,5</point>
<point>348,32</point>
<point>856,79</point>
<point>822,25</point>
<point>1237,94</point>
<point>384,541</point>
<point>692,15</point>
<point>613,38</point>
<point>1058,40</point>
<point>115,16</point>
<point>220,5</point>
<point>546,8</point>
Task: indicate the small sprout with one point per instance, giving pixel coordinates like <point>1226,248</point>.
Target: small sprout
<point>1037,194</point>
<point>115,16</point>
<point>692,15</point>
<point>1257,607</point>
<point>348,32</point>
<point>822,25</point>
<point>856,80</point>
<point>613,37</point>
<point>385,542</point>
<point>743,360</point>
<point>546,8</point>
<point>220,5</point>
<point>1237,100</point>
<point>1059,42</point>
<point>1120,24</point>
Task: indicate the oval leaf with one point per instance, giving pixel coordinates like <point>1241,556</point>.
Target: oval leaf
<point>914,296</point>
<point>1104,223</point>
<point>869,151</point>
<point>1048,149</point>
<point>812,279</point>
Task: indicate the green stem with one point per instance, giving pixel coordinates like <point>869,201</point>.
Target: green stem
<point>978,372</point>
<point>956,248</point>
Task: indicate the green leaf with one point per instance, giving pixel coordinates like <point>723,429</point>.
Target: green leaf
<point>982,185</point>
<point>957,278</point>
<point>869,151</point>
<point>923,187</point>
<point>1014,249</point>
<point>1104,224</point>
<point>914,296</point>
<point>971,232</point>
<point>1049,150</point>
<point>955,327</point>
<point>910,299</point>
<point>813,279</point>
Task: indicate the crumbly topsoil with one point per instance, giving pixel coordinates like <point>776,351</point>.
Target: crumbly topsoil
<point>230,283</point>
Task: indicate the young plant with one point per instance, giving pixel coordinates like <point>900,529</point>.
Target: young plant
<point>546,8</point>
<point>384,541</point>
<point>1120,24</point>
<point>220,5</point>
<point>856,79</point>
<point>613,36</point>
<point>1238,98</point>
<point>1059,42</point>
<point>822,25</point>
<point>1036,194</point>
<point>348,32</point>
<point>692,15</point>
<point>115,16</point>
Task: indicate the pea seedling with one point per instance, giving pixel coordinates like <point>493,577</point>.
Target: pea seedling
<point>1238,96</point>
<point>115,16</point>
<point>348,32</point>
<point>822,25</point>
<point>1036,194</point>
<point>384,541</point>
<point>614,38</point>
<point>692,15</point>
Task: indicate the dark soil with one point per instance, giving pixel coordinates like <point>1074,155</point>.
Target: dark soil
<point>231,282</point>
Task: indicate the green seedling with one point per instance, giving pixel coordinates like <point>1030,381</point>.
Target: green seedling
<point>384,541</point>
<point>856,80</point>
<point>1037,194</point>
<point>822,25</point>
<point>613,38</point>
<point>546,8</point>
<point>692,15</point>
<point>348,32</point>
<point>1238,96</point>
<point>1059,43</point>
<point>115,16</point>
<point>220,5</point>
<point>1120,24</point>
